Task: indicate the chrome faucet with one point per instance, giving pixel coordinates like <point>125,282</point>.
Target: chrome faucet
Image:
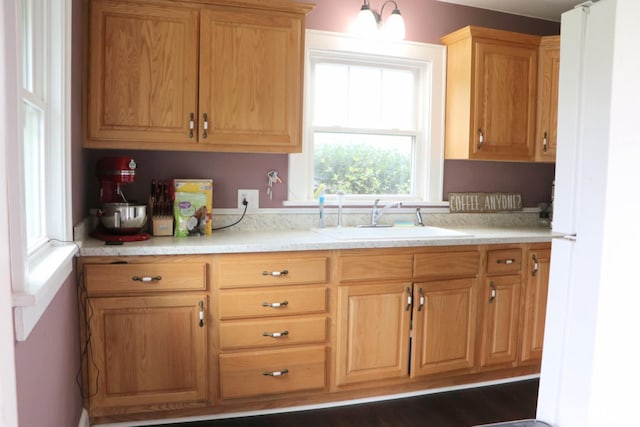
<point>419,217</point>
<point>377,211</point>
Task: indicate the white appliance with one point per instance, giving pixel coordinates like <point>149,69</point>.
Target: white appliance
<point>594,290</point>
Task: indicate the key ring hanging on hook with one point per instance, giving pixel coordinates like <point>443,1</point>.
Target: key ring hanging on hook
<point>273,178</point>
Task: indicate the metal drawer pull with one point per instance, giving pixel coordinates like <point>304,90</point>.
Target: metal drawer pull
<point>275,334</point>
<point>536,265</point>
<point>146,279</point>
<point>545,143</point>
<point>506,261</point>
<point>201,314</point>
<point>275,273</point>
<point>275,304</point>
<point>493,292</point>
<point>480,139</point>
<point>276,373</point>
<point>192,124</point>
<point>421,299</point>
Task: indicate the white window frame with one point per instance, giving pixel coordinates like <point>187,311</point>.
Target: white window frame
<point>8,398</point>
<point>429,155</point>
<point>37,275</point>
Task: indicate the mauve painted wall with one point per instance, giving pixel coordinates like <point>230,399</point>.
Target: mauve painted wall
<point>427,21</point>
<point>48,361</point>
<point>47,364</point>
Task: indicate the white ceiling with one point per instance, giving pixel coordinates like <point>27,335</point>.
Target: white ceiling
<point>543,9</point>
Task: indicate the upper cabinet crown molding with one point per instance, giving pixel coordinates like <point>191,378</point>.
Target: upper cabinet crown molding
<point>277,5</point>
<point>492,94</point>
<point>195,75</point>
<point>491,34</point>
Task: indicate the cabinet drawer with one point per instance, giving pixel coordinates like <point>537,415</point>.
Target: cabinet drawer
<point>259,373</point>
<point>259,270</point>
<point>504,261</point>
<point>272,333</point>
<point>375,267</point>
<point>272,302</point>
<point>449,264</point>
<point>153,277</point>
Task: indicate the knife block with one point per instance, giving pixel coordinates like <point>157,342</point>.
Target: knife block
<point>162,225</point>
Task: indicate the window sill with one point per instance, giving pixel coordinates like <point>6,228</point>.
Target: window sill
<point>44,280</point>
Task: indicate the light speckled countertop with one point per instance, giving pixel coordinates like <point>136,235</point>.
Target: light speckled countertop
<point>234,241</point>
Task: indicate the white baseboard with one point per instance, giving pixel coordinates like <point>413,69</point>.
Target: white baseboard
<point>84,419</point>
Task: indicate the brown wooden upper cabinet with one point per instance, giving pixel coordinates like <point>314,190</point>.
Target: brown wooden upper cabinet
<point>547,119</point>
<point>492,88</point>
<point>176,75</point>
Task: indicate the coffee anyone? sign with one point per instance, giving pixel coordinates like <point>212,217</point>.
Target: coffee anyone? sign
<point>484,202</point>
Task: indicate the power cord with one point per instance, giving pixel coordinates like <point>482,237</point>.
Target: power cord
<point>246,204</point>
<point>86,351</point>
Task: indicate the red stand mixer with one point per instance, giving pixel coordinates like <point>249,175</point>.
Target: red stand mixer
<point>119,220</point>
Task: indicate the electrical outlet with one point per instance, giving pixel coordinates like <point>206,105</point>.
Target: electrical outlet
<point>252,196</point>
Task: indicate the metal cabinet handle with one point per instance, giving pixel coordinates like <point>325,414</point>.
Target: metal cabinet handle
<point>507,261</point>
<point>421,305</point>
<point>146,279</point>
<point>205,125</point>
<point>192,124</point>
<point>201,314</point>
<point>275,373</point>
<point>493,292</point>
<point>275,304</point>
<point>275,273</point>
<point>544,143</point>
<point>536,265</point>
<point>480,139</point>
<point>409,299</point>
<point>275,334</point>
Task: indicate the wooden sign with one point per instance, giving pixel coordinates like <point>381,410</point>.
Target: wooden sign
<point>484,202</point>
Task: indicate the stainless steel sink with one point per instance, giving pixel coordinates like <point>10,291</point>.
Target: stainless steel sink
<point>389,233</point>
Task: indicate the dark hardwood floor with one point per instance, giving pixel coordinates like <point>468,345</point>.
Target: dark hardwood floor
<point>464,408</point>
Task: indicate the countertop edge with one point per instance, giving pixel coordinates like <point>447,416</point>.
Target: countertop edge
<point>302,240</point>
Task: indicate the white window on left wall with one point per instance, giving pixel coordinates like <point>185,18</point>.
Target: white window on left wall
<point>39,165</point>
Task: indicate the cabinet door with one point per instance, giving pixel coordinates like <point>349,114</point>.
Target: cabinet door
<point>373,332</point>
<point>444,326</point>
<point>535,304</point>
<point>251,79</point>
<point>504,100</point>
<point>143,67</point>
<point>548,78</point>
<point>148,351</point>
<point>501,300</point>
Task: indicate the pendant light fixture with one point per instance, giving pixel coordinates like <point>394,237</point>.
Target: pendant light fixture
<point>368,23</point>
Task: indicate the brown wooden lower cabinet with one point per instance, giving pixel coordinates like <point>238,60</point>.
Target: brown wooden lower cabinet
<point>444,326</point>
<point>535,302</point>
<point>356,323</point>
<point>148,350</point>
<point>373,332</point>
<point>500,304</point>
<point>501,299</point>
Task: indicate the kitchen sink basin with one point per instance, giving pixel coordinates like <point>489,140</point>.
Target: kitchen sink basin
<point>389,233</point>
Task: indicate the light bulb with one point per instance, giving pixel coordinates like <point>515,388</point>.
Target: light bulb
<point>394,28</point>
<point>365,24</point>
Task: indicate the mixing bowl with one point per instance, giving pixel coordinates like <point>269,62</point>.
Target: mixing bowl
<point>123,218</point>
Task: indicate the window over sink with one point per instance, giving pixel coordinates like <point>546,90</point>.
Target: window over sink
<point>373,123</point>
